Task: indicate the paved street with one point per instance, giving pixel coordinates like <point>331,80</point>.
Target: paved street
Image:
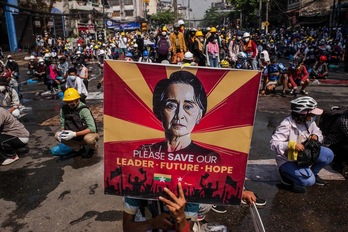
<point>45,193</point>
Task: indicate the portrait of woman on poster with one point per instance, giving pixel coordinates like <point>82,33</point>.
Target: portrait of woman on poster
<point>180,102</point>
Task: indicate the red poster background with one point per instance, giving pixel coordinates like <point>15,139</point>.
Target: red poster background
<point>128,172</point>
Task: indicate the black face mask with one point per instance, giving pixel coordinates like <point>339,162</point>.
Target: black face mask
<point>72,105</point>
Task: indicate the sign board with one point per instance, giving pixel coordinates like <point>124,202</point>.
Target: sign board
<point>165,124</point>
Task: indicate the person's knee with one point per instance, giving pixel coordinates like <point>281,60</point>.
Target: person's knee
<point>310,181</point>
<point>16,113</point>
<point>91,138</point>
<point>326,155</point>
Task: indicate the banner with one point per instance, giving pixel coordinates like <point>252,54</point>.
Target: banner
<point>165,124</point>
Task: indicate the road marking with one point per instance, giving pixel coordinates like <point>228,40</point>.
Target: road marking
<point>266,170</point>
<point>95,95</point>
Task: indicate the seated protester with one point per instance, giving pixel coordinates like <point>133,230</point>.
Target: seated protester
<point>264,60</point>
<point>242,61</point>
<point>320,69</point>
<point>13,66</point>
<point>298,76</point>
<point>188,60</point>
<point>276,75</point>
<point>78,127</point>
<point>53,80</point>
<point>9,98</point>
<point>145,57</point>
<point>13,136</point>
<point>287,142</point>
<point>337,141</point>
<point>40,71</point>
<point>74,81</point>
<point>63,67</point>
<point>32,65</point>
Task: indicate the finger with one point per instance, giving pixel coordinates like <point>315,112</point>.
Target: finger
<point>181,191</point>
<point>167,202</point>
<point>170,194</point>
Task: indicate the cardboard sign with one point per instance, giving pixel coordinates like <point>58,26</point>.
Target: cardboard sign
<point>165,124</point>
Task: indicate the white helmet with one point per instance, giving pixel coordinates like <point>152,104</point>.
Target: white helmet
<point>41,60</point>
<point>47,54</point>
<point>246,34</point>
<point>32,58</point>
<point>188,56</point>
<point>181,22</point>
<point>78,53</point>
<point>135,45</point>
<point>101,52</point>
<point>242,55</point>
<point>303,105</point>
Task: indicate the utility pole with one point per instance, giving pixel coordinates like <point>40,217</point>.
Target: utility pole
<point>175,5</point>
<point>189,16</point>
<point>267,15</point>
<point>260,13</point>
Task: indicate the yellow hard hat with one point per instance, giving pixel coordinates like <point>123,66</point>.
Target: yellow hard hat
<point>71,94</point>
<point>164,28</point>
<point>122,33</point>
<point>96,47</point>
<point>212,29</point>
<point>199,33</point>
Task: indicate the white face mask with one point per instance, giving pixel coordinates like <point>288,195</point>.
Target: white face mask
<point>2,88</point>
<point>164,33</point>
<point>73,78</point>
<point>215,41</point>
<point>201,39</point>
<point>239,37</point>
<point>247,39</point>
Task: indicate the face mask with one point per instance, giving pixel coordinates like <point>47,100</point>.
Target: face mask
<point>72,105</point>
<point>164,33</point>
<point>246,40</point>
<point>239,37</point>
<point>2,88</point>
<point>73,78</point>
<point>201,39</point>
<point>10,61</point>
<point>215,41</point>
<point>41,63</point>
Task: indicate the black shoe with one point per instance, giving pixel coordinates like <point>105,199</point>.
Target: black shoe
<point>298,189</point>
<point>319,181</point>
<point>283,94</point>
<point>89,154</point>
<point>219,209</point>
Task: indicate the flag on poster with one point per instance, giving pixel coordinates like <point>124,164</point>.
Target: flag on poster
<point>165,124</point>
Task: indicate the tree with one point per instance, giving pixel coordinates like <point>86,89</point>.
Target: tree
<point>213,18</point>
<point>162,18</point>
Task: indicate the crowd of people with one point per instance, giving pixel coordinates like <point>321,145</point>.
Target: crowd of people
<point>62,65</point>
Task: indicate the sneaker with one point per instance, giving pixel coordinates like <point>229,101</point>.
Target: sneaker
<point>304,92</point>
<point>259,202</point>
<point>10,160</point>
<point>285,181</point>
<point>283,94</point>
<point>200,217</point>
<point>219,209</point>
<point>319,181</point>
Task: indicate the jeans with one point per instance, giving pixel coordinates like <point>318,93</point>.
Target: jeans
<point>305,176</point>
<point>213,62</point>
<point>253,63</point>
<point>9,145</point>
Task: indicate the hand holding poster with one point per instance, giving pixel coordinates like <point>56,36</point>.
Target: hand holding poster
<point>165,125</point>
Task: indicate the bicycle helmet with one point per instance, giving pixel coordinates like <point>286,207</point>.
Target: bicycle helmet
<point>145,54</point>
<point>323,58</point>
<point>242,55</point>
<point>305,105</point>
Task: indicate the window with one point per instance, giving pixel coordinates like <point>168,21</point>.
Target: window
<point>129,13</point>
<point>116,14</point>
<point>114,2</point>
<point>128,2</point>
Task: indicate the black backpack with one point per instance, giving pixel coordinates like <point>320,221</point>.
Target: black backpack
<point>73,121</point>
<point>328,118</point>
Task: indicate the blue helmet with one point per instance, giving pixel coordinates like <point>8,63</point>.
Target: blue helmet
<point>129,54</point>
<point>145,53</point>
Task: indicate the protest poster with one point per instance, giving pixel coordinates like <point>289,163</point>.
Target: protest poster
<point>165,124</point>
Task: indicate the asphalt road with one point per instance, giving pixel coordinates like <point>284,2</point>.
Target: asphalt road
<point>45,193</point>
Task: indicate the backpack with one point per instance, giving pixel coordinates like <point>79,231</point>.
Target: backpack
<point>73,121</point>
<point>163,47</point>
<point>328,118</point>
